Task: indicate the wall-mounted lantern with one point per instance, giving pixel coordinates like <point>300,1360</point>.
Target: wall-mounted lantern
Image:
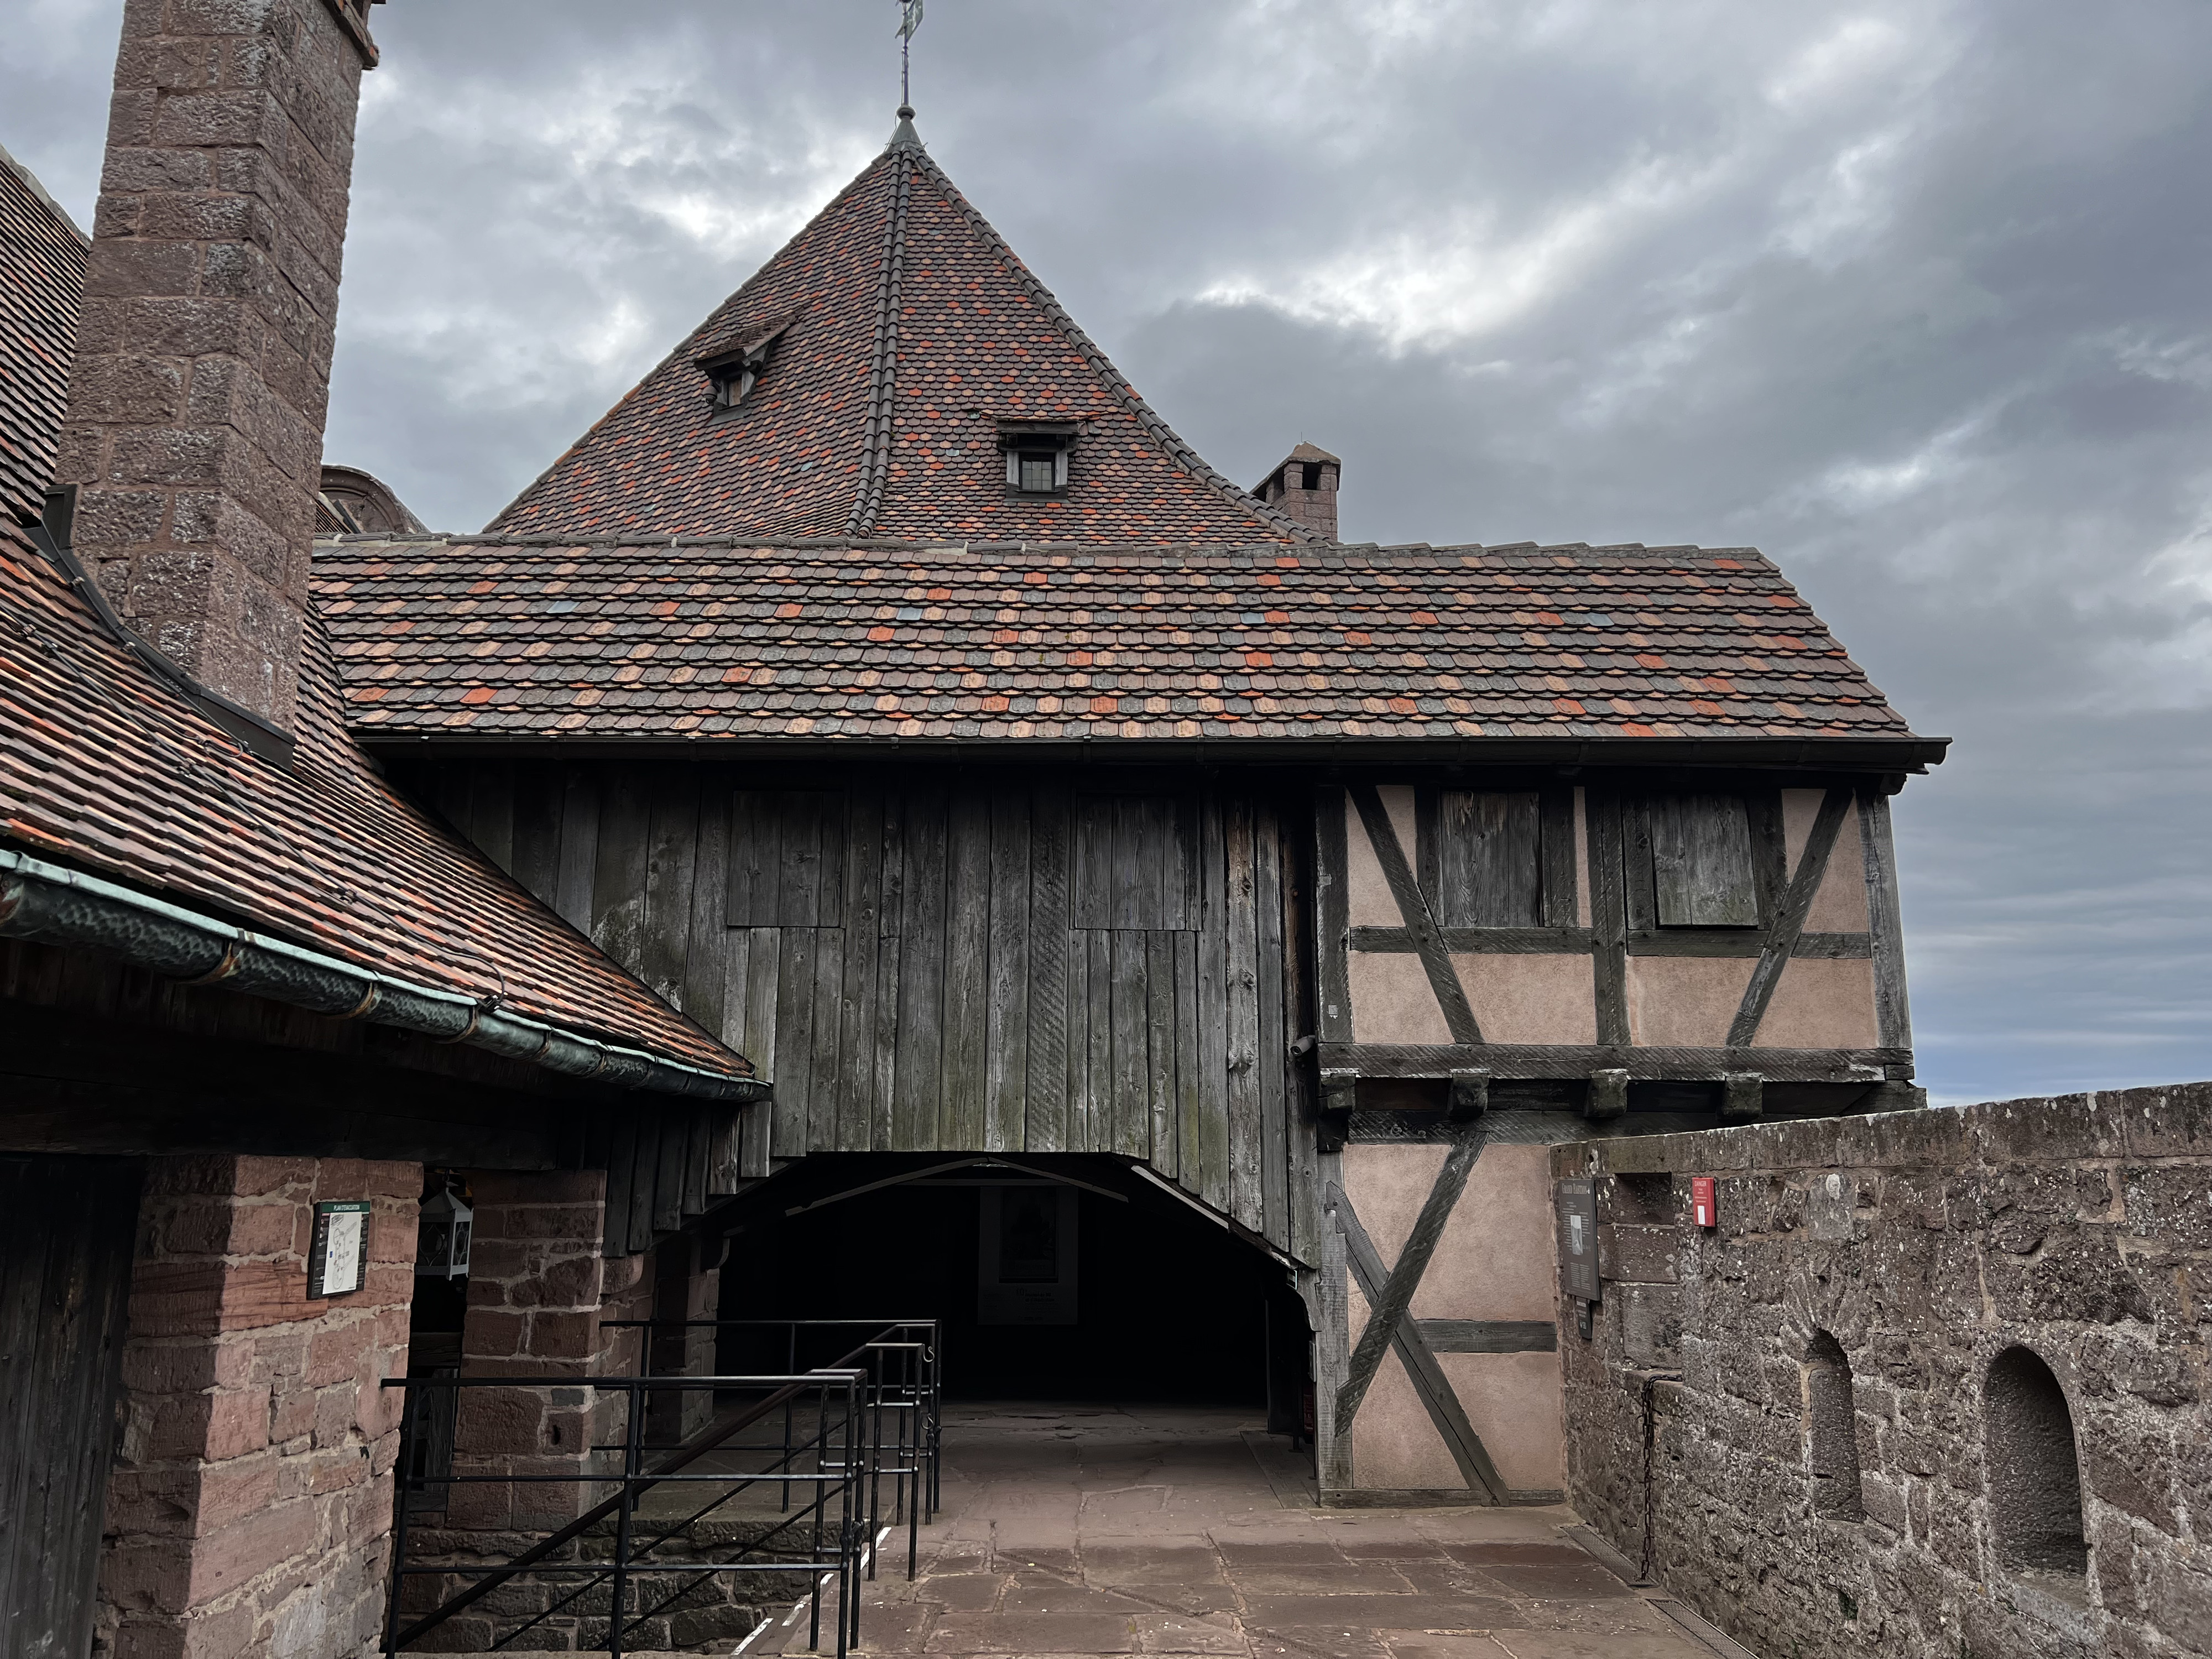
<point>441,1247</point>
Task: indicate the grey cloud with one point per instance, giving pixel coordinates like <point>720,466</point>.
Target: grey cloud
<point>1918,298</point>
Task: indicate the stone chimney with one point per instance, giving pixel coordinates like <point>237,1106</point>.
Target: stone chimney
<point>1304,486</point>
<point>195,426</point>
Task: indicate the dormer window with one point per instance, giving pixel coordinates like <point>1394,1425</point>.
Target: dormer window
<point>1036,455</point>
<point>733,370</point>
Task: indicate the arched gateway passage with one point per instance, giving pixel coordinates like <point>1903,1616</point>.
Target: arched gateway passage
<point>1056,1278</point>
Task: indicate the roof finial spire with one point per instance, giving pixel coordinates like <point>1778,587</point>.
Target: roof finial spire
<point>910,20</point>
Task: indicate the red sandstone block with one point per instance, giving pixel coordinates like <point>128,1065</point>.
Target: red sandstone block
<point>292,1417</point>
<point>170,1366</point>
<point>340,1471</point>
<point>268,1229</point>
<point>499,1421</point>
<point>376,1408</point>
<point>229,1492</point>
<point>209,1175</point>
<point>393,1178</point>
<point>280,1353</point>
<point>146,1576</point>
<point>541,1186</point>
<point>209,119</point>
<point>288,1177</point>
<point>387,1285</point>
<point>394,1230</point>
<point>257,1544</point>
<point>175,1298</point>
<point>334,1413</point>
<point>581,1224</point>
<point>339,1350</point>
<point>262,1294</point>
<point>563,1336</point>
<point>237,1423</point>
<point>168,63</point>
<point>493,1334</point>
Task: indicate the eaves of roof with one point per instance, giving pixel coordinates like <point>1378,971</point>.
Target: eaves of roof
<point>1667,655</point>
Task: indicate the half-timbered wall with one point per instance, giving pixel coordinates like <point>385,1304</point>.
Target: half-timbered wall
<point>1648,933</point>
<point>926,960</point>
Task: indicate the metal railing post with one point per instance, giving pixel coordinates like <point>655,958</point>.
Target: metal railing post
<point>633,1432</point>
<point>848,1608</point>
<point>790,1369</point>
<point>407,1420</point>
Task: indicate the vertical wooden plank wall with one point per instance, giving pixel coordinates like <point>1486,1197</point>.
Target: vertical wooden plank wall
<point>987,964</point>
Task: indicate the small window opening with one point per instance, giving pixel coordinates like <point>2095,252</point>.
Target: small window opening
<point>733,372</point>
<point>2034,1470</point>
<point>1831,1427</point>
<point>1036,457</point>
<point>1310,475</point>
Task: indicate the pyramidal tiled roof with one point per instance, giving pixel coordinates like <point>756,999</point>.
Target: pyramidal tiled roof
<point>42,264</point>
<point>909,333</point>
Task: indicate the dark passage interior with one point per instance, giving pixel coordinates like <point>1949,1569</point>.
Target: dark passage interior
<point>1096,1287</point>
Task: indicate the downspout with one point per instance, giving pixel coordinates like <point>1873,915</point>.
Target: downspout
<point>57,906</point>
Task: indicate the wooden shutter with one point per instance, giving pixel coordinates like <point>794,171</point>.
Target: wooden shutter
<point>1701,864</point>
<point>1490,860</point>
<point>787,859</point>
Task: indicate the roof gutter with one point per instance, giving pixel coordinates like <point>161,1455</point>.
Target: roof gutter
<point>57,906</point>
<point>1884,755</point>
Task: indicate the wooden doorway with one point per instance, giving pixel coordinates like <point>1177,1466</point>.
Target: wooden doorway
<point>66,1227</point>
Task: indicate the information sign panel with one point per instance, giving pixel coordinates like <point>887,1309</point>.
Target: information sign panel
<point>1576,1203</point>
<point>337,1261</point>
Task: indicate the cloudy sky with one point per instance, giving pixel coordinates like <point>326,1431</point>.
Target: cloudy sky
<point>1916,297</point>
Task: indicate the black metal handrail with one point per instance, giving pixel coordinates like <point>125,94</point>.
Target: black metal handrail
<point>905,1363</point>
<point>841,1414</point>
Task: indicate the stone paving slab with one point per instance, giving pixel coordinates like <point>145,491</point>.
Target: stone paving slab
<point>1138,1531</point>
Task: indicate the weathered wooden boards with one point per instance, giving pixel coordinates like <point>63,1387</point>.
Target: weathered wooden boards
<point>941,962</point>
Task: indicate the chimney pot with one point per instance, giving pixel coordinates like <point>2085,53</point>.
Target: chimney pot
<point>1303,485</point>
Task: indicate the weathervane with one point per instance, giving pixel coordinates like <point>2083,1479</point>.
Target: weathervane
<point>910,20</point>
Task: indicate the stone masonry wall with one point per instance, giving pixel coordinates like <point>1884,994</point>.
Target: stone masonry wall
<point>195,425</point>
<point>540,1292</point>
<point>250,1506</point>
<point>1917,1248</point>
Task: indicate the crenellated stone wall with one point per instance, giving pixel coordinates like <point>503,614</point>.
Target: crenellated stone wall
<point>1789,1415</point>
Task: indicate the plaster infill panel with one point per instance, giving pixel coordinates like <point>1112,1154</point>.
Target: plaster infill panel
<point>1368,901</point>
<point>1388,1184</point>
<point>1495,1258</point>
<point>1513,1402</point>
<point>1395,1445</point>
<point>1840,906</point>
<point>1392,1000</point>
<point>1519,999</point>
<point>1684,1002</point>
<point>1581,859</point>
<point>1821,1005</point>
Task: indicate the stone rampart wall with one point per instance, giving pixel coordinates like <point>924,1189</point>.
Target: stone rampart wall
<point>1814,1421</point>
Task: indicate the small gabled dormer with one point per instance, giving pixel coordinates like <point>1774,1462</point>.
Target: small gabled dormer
<point>1303,485</point>
<point>732,371</point>
<point>1036,454</point>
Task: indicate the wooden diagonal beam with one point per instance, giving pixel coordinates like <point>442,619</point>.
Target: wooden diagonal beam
<point>1796,905</point>
<point>1411,1341</point>
<point>1420,920</point>
<point>1387,1308</point>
